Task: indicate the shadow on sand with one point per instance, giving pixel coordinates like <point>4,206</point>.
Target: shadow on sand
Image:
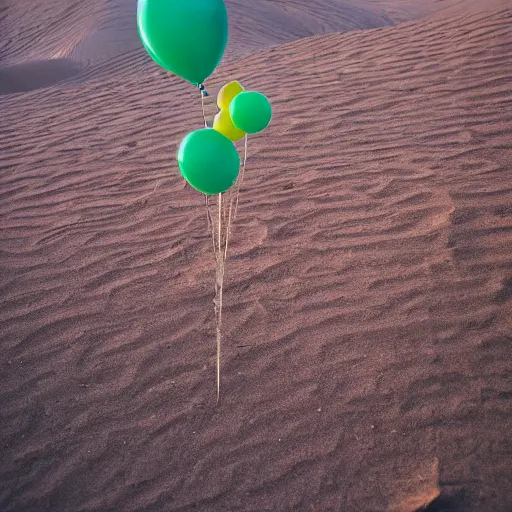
<point>34,75</point>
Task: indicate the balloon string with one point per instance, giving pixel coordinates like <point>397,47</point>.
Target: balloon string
<point>202,106</point>
<point>233,198</point>
<point>210,222</point>
<point>221,265</point>
<point>227,209</point>
<point>242,174</point>
<point>219,298</point>
<point>220,240</point>
<point>217,242</point>
<point>206,200</point>
<point>226,216</point>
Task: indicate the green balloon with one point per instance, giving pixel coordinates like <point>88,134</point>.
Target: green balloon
<point>147,48</point>
<point>186,37</point>
<point>250,111</point>
<point>208,161</point>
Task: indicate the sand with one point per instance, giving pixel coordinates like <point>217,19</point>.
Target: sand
<point>368,298</point>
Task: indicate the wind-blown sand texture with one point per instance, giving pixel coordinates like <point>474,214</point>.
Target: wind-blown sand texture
<point>368,303</point>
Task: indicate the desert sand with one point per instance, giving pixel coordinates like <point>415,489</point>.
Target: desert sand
<point>368,299</point>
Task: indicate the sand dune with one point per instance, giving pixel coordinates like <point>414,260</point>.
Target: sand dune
<point>261,23</point>
<point>99,30</point>
<point>368,306</point>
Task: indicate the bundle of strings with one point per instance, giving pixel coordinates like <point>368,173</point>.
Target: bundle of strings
<point>220,218</point>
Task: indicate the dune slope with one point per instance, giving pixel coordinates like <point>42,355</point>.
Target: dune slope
<point>368,302</point>
<point>100,30</point>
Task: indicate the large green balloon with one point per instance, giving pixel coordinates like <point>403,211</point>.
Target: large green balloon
<point>209,161</point>
<point>186,37</point>
<point>250,111</point>
<point>147,48</point>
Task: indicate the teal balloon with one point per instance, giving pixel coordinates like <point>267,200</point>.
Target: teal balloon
<point>147,48</point>
<point>186,37</point>
<point>208,161</point>
<point>250,111</point>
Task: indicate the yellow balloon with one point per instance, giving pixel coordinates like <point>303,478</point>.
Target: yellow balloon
<point>223,124</point>
<point>227,93</point>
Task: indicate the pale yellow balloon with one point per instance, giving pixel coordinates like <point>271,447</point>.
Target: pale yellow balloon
<point>223,124</point>
<point>227,93</point>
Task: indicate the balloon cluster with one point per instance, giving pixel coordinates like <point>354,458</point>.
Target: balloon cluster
<point>188,38</point>
<point>207,158</point>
